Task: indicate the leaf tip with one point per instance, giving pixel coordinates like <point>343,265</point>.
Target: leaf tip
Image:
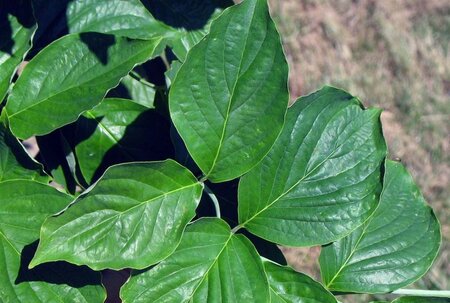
<point>35,261</point>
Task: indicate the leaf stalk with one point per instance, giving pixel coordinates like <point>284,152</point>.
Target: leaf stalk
<point>423,293</point>
<point>214,199</point>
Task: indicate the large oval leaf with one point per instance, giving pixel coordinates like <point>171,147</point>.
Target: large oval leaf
<point>133,217</point>
<point>232,83</point>
<point>289,286</point>
<point>16,29</point>
<point>322,178</point>
<point>24,205</point>
<point>395,247</point>
<point>117,131</point>
<point>126,18</point>
<point>210,265</point>
<point>70,76</point>
<point>15,163</point>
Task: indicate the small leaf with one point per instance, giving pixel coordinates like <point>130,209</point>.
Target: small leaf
<point>17,26</point>
<point>70,76</point>
<point>117,131</point>
<point>322,178</point>
<point>289,286</point>
<point>24,205</point>
<point>15,163</point>
<point>133,217</point>
<point>394,248</point>
<point>211,264</point>
<point>139,92</point>
<point>233,82</point>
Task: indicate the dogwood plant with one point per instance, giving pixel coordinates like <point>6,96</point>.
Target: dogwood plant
<point>166,146</point>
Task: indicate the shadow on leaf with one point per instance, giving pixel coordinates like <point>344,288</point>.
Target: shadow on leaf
<point>98,44</point>
<point>55,272</point>
<point>147,138</point>
<point>190,14</point>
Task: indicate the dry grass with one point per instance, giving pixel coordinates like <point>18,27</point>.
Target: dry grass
<point>393,54</point>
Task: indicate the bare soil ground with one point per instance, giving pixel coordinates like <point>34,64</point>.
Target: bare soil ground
<point>392,54</point>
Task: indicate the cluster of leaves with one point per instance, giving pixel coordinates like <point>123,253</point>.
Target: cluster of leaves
<point>149,115</point>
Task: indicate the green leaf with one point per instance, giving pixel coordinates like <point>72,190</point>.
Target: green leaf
<point>15,163</point>
<point>133,217</point>
<point>322,178</point>
<point>189,20</point>
<point>70,76</point>
<point>117,131</point>
<point>289,286</point>
<point>421,300</point>
<point>211,264</point>
<point>24,205</point>
<point>232,83</point>
<point>141,93</point>
<point>394,248</point>
<point>126,18</point>
<point>16,29</point>
<point>172,72</point>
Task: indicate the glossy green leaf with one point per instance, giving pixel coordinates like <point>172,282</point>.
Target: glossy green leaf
<point>394,248</point>
<point>189,20</point>
<point>322,178</point>
<point>289,286</point>
<point>211,264</point>
<point>117,131</point>
<point>15,163</point>
<point>70,76</point>
<point>16,29</point>
<point>24,205</point>
<point>139,92</point>
<point>126,18</point>
<point>233,82</point>
<point>421,300</point>
<point>133,217</point>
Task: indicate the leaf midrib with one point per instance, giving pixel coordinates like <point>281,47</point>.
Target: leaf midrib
<point>210,267</point>
<point>78,85</point>
<point>355,248</point>
<point>9,242</point>
<point>132,208</point>
<point>353,251</point>
<point>336,148</point>
<point>289,189</point>
<point>227,115</point>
